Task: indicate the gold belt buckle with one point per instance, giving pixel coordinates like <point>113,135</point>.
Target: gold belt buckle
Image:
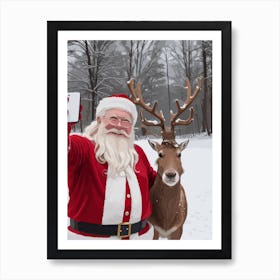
<point>120,230</point>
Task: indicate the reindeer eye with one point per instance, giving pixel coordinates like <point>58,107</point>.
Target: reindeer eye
<point>179,155</point>
<point>160,154</point>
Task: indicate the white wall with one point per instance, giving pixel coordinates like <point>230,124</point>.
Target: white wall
<point>255,188</point>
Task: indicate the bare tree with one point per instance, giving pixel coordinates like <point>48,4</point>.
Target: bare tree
<point>166,59</point>
<point>193,59</point>
<point>100,68</point>
<point>184,54</point>
<point>89,69</point>
<point>144,61</point>
<point>206,104</point>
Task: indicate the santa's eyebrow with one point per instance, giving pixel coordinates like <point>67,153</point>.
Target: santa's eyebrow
<point>121,118</point>
<point>126,119</point>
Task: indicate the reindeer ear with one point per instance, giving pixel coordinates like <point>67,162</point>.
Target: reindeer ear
<point>153,144</point>
<point>183,145</point>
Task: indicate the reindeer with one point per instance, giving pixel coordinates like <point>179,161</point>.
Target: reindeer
<point>168,198</point>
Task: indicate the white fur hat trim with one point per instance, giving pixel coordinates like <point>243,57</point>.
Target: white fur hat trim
<point>117,102</point>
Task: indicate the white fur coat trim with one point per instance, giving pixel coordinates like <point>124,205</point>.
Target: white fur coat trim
<point>115,195</point>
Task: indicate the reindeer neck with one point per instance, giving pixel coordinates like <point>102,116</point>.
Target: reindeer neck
<point>165,188</point>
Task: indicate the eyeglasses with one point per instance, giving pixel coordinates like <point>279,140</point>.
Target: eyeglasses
<point>116,120</point>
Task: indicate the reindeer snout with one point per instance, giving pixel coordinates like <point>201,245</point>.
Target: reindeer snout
<point>170,175</point>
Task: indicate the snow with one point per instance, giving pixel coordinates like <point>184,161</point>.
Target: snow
<point>197,182</point>
<point>178,120</point>
<point>155,122</point>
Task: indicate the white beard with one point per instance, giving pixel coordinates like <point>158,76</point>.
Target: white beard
<point>117,151</point>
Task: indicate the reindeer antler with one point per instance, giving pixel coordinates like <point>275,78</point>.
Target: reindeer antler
<point>137,99</point>
<point>168,133</point>
<point>181,109</point>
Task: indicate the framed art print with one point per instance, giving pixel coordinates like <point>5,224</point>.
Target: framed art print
<point>182,71</point>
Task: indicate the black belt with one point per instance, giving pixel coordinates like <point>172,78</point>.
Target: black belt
<point>121,230</point>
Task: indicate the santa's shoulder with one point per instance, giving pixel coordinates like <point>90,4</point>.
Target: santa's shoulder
<point>81,141</point>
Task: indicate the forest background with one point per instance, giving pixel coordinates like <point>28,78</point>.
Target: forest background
<point>98,69</point>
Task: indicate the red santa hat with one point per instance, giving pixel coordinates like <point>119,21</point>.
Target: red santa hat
<point>117,101</point>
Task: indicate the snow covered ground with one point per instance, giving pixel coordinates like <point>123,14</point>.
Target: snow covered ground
<point>197,181</point>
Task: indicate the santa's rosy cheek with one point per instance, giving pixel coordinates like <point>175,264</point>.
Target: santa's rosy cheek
<point>110,126</point>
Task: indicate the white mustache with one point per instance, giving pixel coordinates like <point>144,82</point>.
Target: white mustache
<point>117,131</point>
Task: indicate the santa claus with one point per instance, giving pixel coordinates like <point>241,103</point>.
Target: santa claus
<point>109,177</point>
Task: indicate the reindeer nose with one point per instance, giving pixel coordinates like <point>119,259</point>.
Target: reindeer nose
<point>170,175</point>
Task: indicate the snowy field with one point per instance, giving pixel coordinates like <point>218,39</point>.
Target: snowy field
<point>197,181</point>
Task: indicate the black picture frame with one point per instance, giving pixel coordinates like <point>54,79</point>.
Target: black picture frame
<point>53,252</point>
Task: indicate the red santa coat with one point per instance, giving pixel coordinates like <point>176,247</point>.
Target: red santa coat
<point>95,198</point>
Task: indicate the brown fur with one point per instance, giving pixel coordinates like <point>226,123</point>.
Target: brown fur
<point>169,203</point>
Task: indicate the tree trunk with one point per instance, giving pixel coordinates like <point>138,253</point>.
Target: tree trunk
<point>167,81</point>
<point>90,74</point>
<point>205,92</point>
<point>130,57</point>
